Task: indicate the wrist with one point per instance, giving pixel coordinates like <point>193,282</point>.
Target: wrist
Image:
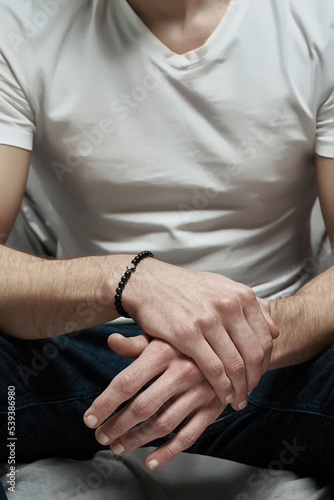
<point>114,267</point>
<point>286,315</point>
<point>130,270</point>
<point>304,331</point>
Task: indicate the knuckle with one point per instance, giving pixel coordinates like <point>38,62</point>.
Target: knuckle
<point>117,429</point>
<point>226,388</point>
<point>142,408</point>
<point>237,368</point>
<point>170,452</point>
<point>102,406</point>
<point>148,427</point>
<point>206,318</point>
<point>113,431</point>
<point>247,295</point>
<point>189,369</point>
<point>166,350</point>
<point>164,426</point>
<point>258,357</point>
<point>187,439</point>
<point>133,441</point>
<point>230,304</point>
<point>126,383</point>
<point>216,370</point>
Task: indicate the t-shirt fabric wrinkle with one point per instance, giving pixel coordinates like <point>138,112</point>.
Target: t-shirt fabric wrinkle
<point>204,158</point>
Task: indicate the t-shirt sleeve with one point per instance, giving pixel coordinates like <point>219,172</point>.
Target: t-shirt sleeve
<point>17,125</point>
<point>325,128</point>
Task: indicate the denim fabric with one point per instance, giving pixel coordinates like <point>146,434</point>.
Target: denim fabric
<point>288,423</point>
<point>56,380</point>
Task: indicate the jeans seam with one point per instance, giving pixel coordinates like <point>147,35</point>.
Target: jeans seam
<point>57,401</point>
<point>264,406</point>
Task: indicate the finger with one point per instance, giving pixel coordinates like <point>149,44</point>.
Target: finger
<point>250,347</point>
<point>234,366</point>
<point>140,409</point>
<point>265,307</point>
<point>272,327</point>
<point>250,334</point>
<point>184,439</point>
<point>258,343</point>
<point>127,383</point>
<point>170,416</point>
<point>128,347</point>
<point>248,355</point>
<point>259,326</point>
<point>213,369</point>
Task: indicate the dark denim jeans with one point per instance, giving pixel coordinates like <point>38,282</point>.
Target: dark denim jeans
<point>288,424</point>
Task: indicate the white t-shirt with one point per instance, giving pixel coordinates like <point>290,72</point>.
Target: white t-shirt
<point>204,158</point>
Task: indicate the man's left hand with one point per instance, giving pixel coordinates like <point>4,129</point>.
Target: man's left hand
<point>179,392</point>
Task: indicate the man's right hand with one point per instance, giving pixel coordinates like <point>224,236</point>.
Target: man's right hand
<point>211,319</point>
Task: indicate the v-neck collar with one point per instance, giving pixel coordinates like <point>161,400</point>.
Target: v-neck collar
<point>190,59</point>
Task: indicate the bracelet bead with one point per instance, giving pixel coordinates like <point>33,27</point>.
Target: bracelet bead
<point>124,279</point>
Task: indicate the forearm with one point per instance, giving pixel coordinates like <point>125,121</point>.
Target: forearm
<point>305,321</point>
<point>43,297</point>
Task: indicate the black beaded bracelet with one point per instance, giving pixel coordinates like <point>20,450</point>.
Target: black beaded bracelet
<point>129,270</point>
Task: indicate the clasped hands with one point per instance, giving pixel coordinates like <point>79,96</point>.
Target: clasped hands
<point>208,343</point>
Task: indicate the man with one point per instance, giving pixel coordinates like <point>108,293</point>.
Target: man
<point>185,128</point>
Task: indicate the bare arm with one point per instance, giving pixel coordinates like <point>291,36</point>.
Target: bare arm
<point>306,320</point>
<point>325,183</point>
<point>306,323</point>
<point>14,165</point>
<point>40,297</point>
<point>209,318</point>
<point>43,298</point>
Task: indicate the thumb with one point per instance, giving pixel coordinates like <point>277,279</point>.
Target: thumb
<point>265,307</point>
<point>128,347</point>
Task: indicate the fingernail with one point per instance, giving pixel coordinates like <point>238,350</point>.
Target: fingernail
<point>118,448</point>
<point>243,405</point>
<point>153,464</point>
<point>249,393</point>
<point>91,421</point>
<point>229,399</point>
<point>102,438</point>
